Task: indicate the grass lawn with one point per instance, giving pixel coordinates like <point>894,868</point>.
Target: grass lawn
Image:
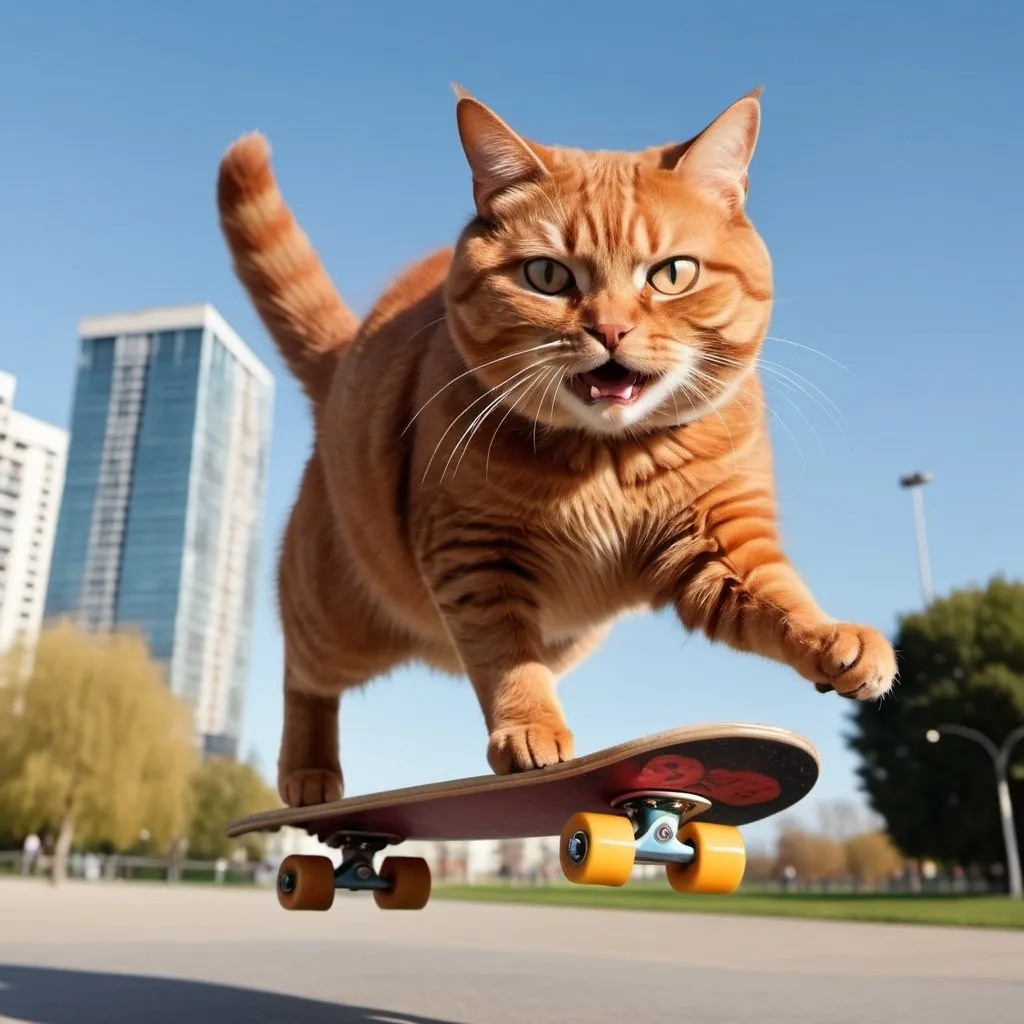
<point>977,911</point>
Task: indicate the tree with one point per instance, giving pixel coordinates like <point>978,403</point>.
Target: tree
<point>223,790</point>
<point>814,857</point>
<point>842,819</point>
<point>761,863</point>
<point>961,661</point>
<point>94,746</point>
<point>871,857</point>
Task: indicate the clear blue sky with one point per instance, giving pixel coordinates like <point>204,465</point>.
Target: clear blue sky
<point>885,184</point>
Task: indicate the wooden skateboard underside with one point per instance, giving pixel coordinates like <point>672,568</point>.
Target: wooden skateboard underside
<point>747,772</point>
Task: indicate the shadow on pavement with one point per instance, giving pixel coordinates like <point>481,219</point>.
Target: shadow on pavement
<point>38,995</point>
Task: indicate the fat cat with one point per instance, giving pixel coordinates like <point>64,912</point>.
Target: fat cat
<point>555,421</point>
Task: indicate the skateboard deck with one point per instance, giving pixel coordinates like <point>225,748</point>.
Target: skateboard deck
<point>698,783</point>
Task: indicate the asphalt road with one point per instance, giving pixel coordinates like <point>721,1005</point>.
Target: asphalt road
<point>107,954</point>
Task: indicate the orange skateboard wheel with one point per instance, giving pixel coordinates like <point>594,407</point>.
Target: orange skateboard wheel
<point>305,883</point>
<point>597,849</point>
<point>410,884</point>
<point>719,862</point>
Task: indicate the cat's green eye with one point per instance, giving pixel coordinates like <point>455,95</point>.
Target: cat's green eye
<point>674,276</point>
<point>548,276</point>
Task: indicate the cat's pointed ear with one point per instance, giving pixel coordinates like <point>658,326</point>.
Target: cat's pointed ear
<point>497,156</point>
<point>716,160</point>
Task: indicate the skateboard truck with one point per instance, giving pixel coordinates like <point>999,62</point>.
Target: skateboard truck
<point>309,883</point>
<point>657,816</point>
<point>654,827</point>
<point>356,870</point>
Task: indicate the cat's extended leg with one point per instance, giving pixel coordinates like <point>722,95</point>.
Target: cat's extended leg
<point>525,723</point>
<point>490,613</point>
<point>742,591</point>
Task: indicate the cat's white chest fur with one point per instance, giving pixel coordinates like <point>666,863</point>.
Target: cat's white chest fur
<point>591,576</point>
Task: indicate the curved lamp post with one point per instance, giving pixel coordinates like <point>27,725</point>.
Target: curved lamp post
<point>1001,760</point>
<point>914,482</point>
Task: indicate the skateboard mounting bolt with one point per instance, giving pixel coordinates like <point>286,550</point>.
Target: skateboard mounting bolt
<point>663,833</point>
<point>576,848</point>
<point>363,871</point>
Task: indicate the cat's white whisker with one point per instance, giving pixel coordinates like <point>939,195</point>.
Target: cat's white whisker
<point>425,327</point>
<point>475,369</point>
<point>470,432</point>
<point>804,417</point>
<point>785,427</point>
<point>788,373</point>
<point>538,377</point>
<point>783,383</point>
<point>477,400</point>
<point>780,374</point>
<point>484,416</point>
<point>807,348</point>
<point>726,390</point>
<point>551,376</point>
<point>675,405</point>
<point>554,394</point>
<point>708,401</point>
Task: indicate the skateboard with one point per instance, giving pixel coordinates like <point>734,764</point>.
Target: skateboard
<point>675,799</point>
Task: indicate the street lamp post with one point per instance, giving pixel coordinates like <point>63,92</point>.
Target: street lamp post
<point>914,482</point>
<point>1001,760</point>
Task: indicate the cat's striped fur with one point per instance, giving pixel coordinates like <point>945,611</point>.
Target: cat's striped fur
<point>469,501</point>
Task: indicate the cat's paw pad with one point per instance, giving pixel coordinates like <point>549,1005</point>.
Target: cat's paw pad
<point>855,661</point>
<point>521,748</point>
<point>305,786</point>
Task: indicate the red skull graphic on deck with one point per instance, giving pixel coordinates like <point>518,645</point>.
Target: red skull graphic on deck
<point>737,788</point>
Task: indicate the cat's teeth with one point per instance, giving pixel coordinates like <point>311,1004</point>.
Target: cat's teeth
<point>625,395</point>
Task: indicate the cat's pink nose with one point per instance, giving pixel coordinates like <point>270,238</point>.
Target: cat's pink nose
<point>610,335</point>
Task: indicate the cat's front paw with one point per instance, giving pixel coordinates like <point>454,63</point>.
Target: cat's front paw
<point>521,748</point>
<point>855,661</point>
<point>306,786</point>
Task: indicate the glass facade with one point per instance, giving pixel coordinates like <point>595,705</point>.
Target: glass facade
<point>81,480</point>
<point>153,539</point>
<point>162,515</point>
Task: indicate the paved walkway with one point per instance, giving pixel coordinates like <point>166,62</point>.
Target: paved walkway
<point>111,953</point>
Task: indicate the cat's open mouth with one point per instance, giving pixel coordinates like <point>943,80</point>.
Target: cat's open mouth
<point>611,383</point>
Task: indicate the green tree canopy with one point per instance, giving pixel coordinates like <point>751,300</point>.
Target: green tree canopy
<point>93,745</point>
<point>961,661</point>
<point>222,791</point>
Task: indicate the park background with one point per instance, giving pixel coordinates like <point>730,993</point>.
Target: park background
<point>880,186</point>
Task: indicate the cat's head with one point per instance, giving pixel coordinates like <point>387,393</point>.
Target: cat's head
<point>610,292</point>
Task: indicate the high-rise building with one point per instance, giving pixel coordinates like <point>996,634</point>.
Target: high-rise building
<point>162,514</point>
<point>32,455</point>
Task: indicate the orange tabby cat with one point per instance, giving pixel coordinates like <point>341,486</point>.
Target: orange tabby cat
<point>552,423</point>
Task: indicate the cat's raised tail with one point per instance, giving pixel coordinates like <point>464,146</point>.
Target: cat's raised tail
<point>279,268</point>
